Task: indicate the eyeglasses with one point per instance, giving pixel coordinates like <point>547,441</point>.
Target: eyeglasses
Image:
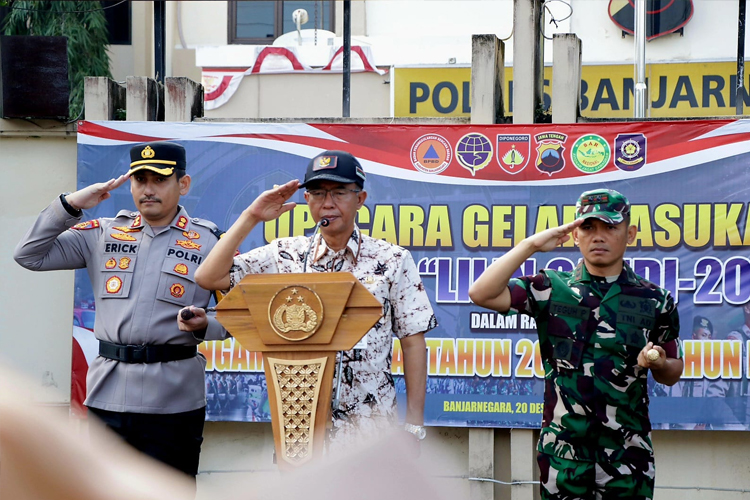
<point>338,194</point>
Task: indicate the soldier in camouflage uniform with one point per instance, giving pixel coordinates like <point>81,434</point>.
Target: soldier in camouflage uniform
<point>596,325</point>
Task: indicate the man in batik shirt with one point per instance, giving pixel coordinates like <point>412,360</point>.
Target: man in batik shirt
<point>335,191</point>
<point>596,325</point>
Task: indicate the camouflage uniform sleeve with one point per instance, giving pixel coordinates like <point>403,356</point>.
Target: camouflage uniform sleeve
<point>526,292</point>
<point>668,328</point>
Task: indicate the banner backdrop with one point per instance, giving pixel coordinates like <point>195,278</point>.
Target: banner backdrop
<point>458,197</point>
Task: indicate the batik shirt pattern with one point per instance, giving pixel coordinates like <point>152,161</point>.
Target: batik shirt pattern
<point>595,397</point>
<point>368,396</point>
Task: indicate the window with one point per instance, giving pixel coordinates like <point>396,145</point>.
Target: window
<point>118,15</point>
<point>261,21</point>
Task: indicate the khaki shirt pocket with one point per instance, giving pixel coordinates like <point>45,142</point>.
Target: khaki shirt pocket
<point>175,289</point>
<point>115,285</point>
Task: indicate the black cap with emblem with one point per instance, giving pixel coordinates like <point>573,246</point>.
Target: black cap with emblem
<point>160,157</point>
<point>336,166</point>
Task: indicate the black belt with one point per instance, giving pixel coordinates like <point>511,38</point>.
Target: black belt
<point>146,353</point>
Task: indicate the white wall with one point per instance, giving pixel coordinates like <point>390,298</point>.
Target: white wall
<point>37,163</point>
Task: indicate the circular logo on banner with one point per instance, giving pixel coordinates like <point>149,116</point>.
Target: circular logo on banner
<point>590,153</point>
<point>474,152</point>
<point>431,154</point>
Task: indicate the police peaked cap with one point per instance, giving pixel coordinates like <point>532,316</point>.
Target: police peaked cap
<point>160,157</point>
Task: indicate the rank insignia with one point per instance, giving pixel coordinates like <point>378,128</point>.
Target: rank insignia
<point>110,264</point>
<point>177,290</point>
<point>181,269</point>
<point>147,152</point>
<point>136,221</point>
<point>126,229</point>
<point>191,235</point>
<point>124,263</point>
<point>114,284</point>
<point>182,222</point>
<point>82,226</point>
<point>122,237</point>
<point>187,244</point>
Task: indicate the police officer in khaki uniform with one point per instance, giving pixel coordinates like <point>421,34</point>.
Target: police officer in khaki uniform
<point>147,383</point>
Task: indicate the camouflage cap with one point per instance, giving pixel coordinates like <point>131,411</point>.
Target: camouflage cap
<point>606,205</point>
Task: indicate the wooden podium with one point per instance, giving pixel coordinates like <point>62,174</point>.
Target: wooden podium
<point>299,322</point>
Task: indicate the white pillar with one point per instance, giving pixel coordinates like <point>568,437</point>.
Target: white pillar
<point>102,97</point>
<point>487,79</point>
<point>566,78</point>
<point>481,463</point>
<point>184,99</point>
<point>523,463</point>
<point>528,60</point>
<point>144,99</point>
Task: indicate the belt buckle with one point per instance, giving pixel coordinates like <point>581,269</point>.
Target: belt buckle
<point>139,353</point>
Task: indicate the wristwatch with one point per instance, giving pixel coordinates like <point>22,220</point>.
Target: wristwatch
<point>75,212</point>
<point>418,431</point>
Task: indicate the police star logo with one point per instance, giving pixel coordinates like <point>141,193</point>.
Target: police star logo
<point>91,224</point>
<point>181,269</point>
<point>550,148</point>
<point>148,153</point>
<point>113,284</point>
<point>182,222</point>
<point>177,290</point>
<point>122,237</point>
<point>295,312</point>
<point>110,264</point>
<point>191,235</point>
<point>187,244</point>
<point>124,263</point>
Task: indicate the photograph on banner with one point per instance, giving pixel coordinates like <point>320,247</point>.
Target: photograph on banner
<point>459,196</point>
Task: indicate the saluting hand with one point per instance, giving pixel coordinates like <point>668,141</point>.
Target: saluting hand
<point>553,237</point>
<point>273,202</point>
<point>94,194</point>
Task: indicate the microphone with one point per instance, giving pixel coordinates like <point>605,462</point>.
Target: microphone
<point>322,222</point>
<point>187,314</point>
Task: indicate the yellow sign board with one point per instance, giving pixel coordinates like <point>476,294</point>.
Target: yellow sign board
<point>675,90</point>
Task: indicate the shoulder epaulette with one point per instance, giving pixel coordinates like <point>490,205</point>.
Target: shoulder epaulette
<point>89,224</point>
<point>209,225</point>
<point>126,213</point>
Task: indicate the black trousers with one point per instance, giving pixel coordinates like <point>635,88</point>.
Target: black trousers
<point>174,438</point>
